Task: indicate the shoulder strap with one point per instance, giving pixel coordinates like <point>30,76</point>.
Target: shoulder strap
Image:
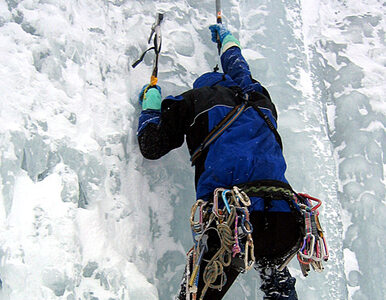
<point>269,123</point>
<point>218,130</point>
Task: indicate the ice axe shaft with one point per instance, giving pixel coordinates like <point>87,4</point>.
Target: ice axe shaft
<point>219,21</point>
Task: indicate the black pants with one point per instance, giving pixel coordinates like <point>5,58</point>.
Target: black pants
<point>275,285</point>
<point>273,234</point>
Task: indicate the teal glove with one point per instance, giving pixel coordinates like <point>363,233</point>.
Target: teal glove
<point>226,38</point>
<point>219,29</point>
<point>150,97</point>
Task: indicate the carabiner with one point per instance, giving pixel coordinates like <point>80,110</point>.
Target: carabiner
<point>317,255</point>
<point>308,246</point>
<point>242,196</point>
<point>249,259</point>
<point>308,197</point>
<point>324,249</point>
<point>196,226</point>
<point>224,198</point>
<point>243,221</point>
<point>215,202</point>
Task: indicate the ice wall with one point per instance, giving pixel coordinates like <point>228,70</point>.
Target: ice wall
<point>84,216</point>
<point>346,45</point>
<point>73,219</point>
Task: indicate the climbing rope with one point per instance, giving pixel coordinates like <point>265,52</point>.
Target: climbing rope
<point>222,258</point>
<point>271,190</point>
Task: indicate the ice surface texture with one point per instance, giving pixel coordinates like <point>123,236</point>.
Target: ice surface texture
<point>84,216</point>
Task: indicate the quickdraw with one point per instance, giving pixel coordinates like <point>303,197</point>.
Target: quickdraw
<point>314,248</point>
<point>230,223</point>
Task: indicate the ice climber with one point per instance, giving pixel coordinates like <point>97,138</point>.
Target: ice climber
<point>246,154</point>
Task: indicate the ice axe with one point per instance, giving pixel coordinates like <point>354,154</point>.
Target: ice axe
<point>156,31</point>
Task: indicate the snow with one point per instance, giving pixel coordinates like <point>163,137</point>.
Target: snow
<point>84,216</point>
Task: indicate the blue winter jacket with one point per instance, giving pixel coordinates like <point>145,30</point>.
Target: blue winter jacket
<point>247,151</point>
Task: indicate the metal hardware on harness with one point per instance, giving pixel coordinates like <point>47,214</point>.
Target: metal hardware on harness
<point>241,196</point>
<point>197,226</point>
<point>231,224</point>
<point>314,248</point>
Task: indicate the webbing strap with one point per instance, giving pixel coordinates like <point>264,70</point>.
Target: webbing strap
<point>269,123</point>
<point>218,130</point>
<point>142,57</point>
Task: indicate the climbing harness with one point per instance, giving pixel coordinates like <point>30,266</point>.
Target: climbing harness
<point>314,248</point>
<point>221,234</point>
<point>157,41</point>
<point>269,190</point>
